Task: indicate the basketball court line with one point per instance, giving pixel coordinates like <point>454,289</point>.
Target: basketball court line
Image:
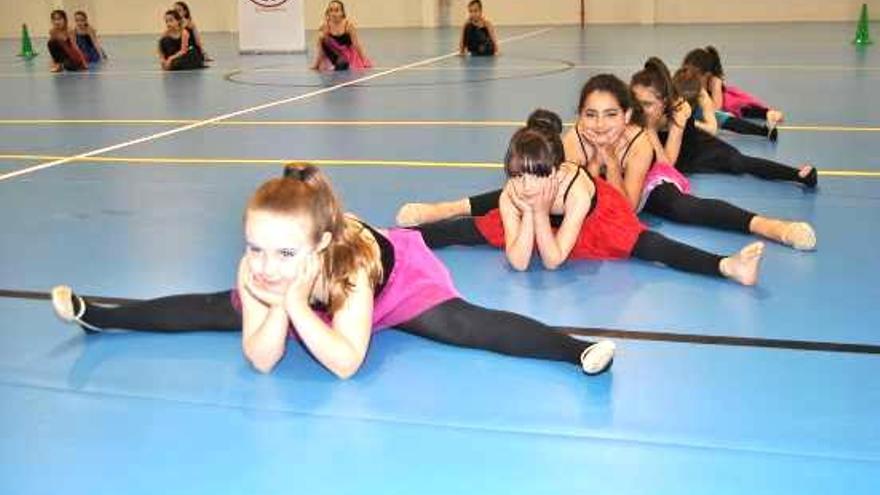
<point>682,338</point>
<point>294,70</point>
<point>134,160</point>
<point>264,106</point>
<point>361,123</point>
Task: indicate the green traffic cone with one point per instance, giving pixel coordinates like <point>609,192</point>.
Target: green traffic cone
<point>863,37</point>
<point>27,49</point>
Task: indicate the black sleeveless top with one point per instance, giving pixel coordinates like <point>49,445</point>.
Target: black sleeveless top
<point>625,151</point>
<point>169,45</point>
<point>556,220</point>
<point>386,255</point>
<point>343,39</point>
<point>692,140</point>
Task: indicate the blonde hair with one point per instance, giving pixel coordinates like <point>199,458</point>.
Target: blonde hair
<point>304,190</point>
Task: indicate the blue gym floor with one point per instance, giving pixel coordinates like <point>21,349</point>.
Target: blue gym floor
<point>681,412</point>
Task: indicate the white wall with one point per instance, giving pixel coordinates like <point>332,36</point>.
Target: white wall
<point>145,16</point>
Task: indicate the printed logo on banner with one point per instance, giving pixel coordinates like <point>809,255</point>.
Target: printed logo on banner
<point>269,3</point>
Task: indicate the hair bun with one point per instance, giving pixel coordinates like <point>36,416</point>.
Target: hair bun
<point>300,171</point>
<point>543,119</point>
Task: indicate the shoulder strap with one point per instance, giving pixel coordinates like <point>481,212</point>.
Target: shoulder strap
<point>570,184</point>
<point>629,146</point>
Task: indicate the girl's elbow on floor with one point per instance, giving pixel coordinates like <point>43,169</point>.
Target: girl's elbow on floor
<point>519,266</point>
<point>346,369</point>
<point>264,362</point>
<point>552,264</point>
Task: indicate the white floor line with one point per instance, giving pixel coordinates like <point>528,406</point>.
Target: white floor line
<point>212,120</point>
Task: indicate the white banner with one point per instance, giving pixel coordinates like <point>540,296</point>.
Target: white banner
<point>271,26</point>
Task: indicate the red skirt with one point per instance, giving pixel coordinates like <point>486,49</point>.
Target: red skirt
<point>609,232</point>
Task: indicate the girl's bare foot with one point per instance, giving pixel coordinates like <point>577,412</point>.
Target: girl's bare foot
<point>774,117</point>
<point>799,235</point>
<point>412,214</point>
<point>743,266</point>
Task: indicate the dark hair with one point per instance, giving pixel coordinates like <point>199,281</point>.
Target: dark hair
<point>301,171</point>
<point>175,14</point>
<point>717,69</point>
<point>548,122</point>
<point>545,119</point>
<point>185,7</point>
<point>59,13</point>
<point>609,83</point>
<point>688,84</point>
<point>706,60</point>
<point>536,149</point>
<point>341,6</point>
<point>655,75</point>
<point>478,3</point>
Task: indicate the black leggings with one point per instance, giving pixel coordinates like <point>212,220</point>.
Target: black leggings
<point>460,323</point>
<point>650,246</point>
<point>484,203</point>
<point>754,112</point>
<point>182,313</point>
<point>668,202</point>
<point>339,61</point>
<point>742,126</point>
<point>454,322</point>
<point>712,155</point>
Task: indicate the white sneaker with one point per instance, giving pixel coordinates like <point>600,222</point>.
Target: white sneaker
<point>598,357</point>
<point>62,302</point>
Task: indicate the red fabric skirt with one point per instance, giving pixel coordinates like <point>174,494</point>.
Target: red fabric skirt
<point>609,232</point>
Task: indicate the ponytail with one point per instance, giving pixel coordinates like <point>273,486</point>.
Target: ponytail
<point>715,67</point>
<point>536,149</point>
<point>655,75</point>
<point>546,120</point>
<point>688,84</point>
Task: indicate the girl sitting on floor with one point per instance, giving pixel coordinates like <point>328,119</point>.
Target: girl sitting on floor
<point>177,48</point>
<point>87,39</point>
<point>188,23</point>
<point>338,46</point>
<point>478,34</point>
<point>62,46</point>
<point>725,95</point>
<point>692,150</point>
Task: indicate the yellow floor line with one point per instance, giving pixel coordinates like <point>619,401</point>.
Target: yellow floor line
<point>254,161</point>
<point>512,67</point>
<point>342,123</point>
<point>334,162</point>
<point>828,128</point>
<point>363,123</point>
<point>849,173</point>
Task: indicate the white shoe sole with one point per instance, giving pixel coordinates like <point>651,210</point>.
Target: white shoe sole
<point>598,357</point>
<point>62,303</point>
